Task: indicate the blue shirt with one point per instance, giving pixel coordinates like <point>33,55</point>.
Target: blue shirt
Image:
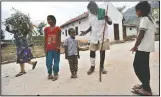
<point>72,46</point>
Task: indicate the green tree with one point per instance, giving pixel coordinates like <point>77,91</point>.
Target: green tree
<point>40,27</point>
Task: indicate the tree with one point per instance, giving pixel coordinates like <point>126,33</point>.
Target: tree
<point>40,27</point>
<point>2,35</point>
<point>121,9</point>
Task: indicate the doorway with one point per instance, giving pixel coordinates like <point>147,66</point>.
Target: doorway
<point>116,32</point>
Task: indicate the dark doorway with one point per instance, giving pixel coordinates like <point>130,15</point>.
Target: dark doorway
<point>76,30</point>
<point>124,32</point>
<point>116,32</point>
<point>65,32</point>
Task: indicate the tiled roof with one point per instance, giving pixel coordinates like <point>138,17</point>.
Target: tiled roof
<point>130,25</point>
<point>84,15</point>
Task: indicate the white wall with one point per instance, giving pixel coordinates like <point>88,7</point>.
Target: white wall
<point>84,25</point>
<point>131,32</point>
<point>115,15</point>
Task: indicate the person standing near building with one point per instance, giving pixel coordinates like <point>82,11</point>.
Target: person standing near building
<point>97,19</point>
<point>52,41</point>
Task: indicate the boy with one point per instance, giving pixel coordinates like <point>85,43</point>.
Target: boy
<point>52,47</point>
<point>143,46</point>
<point>72,52</point>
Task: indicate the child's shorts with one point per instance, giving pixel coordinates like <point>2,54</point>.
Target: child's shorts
<point>95,47</point>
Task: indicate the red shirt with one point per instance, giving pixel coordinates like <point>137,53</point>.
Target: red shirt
<point>52,38</point>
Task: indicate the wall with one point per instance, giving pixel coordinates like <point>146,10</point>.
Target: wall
<point>81,27</point>
<point>131,32</point>
<point>115,15</point>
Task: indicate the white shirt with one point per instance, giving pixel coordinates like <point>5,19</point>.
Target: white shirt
<point>97,29</point>
<point>147,43</point>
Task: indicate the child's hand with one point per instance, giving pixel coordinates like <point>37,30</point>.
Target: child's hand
<point>66,57</point>
<point>58,49</point>
<point>133,49</point>
<point>83,33</point>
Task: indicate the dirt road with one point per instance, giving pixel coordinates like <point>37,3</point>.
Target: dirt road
<point>118,81</point>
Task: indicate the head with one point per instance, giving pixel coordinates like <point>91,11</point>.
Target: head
<point>92,7</point>
<point>71,32</point>
<point>51,20</point>
<point>142,9</point>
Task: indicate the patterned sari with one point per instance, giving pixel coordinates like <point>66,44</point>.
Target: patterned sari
<point>24,54</point>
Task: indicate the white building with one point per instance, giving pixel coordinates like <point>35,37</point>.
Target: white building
<point>80,23</point>
<point>130,30</point>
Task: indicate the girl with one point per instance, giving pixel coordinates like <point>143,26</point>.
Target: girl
<point>143,46</point>
<point>52,47</point>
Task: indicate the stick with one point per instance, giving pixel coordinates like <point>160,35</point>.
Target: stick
<point>100,76</point>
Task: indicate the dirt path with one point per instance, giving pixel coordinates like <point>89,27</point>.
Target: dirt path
<point>118,81</point>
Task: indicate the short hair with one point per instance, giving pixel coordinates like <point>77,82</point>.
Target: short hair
<point>52,18</point>
<point>144,7</point>
<point>69,30</point>
<point>91,3</point>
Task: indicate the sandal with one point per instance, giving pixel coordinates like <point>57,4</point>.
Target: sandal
<point>55,77</point>
<point>34,65</point>
<point>20,73</point>
<point>138,86</point>
<point>142,92</point>
<point>50,77</point>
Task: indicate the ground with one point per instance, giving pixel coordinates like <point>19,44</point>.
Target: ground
<point>118,81</point>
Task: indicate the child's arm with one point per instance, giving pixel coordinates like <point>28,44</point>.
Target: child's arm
<point>108,20</point>
<point>139,38</point>
<point>78,49</point>
<point>66,49</point>
<point>143,27</point>
<point>45,41</point>
<point>59,39</point>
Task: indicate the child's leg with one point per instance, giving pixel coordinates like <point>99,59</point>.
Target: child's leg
<point>102,59</point>
<point>71,65</point>
<point>141,67</point>
<point>75,66</point>
<point>49,62</point>
<point>56,62</point>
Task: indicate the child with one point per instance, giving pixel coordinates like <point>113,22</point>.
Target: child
<point>52,47</point>
<point>72,52</point>
<point>143,46</point>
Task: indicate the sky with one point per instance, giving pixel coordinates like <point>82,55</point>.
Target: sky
<point>38,11</point>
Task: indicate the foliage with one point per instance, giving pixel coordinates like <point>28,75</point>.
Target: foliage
<point>40,27</point>
<point>20,22</point>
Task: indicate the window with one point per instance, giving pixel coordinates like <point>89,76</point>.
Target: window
<point>66,33</point>
<point>79,22</point>
<point>130,28</point>
<point>62,32</point>
<point>76,29</point>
